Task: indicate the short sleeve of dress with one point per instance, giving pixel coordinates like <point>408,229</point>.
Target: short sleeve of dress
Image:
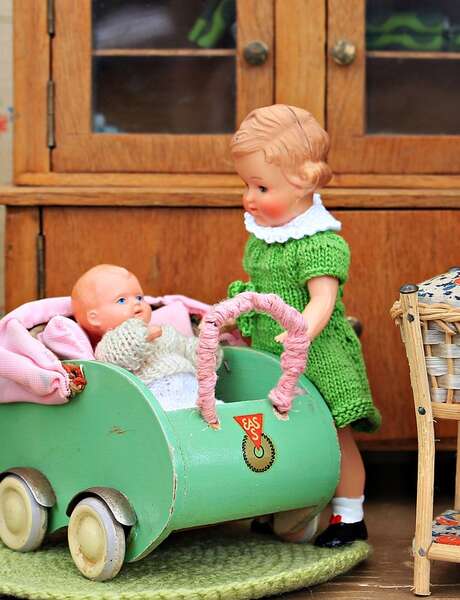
<point>324,253</point>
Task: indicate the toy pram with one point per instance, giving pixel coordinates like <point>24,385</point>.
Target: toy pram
<point>123,474</point>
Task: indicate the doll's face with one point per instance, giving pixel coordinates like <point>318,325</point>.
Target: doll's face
<point>120,298</point>
<point>105,297</point>
<point>270,197</point>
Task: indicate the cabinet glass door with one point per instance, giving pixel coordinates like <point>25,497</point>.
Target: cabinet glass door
<point>413,67</point>
<point>394,86</point>
<point>157,85</point>
<point>164,66</point>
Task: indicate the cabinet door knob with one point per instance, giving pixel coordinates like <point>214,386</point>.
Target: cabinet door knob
<point>255,53</point>
<point>344,52</point>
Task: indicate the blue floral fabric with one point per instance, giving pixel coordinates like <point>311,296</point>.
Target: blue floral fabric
<point>446,528</point>
<point>443,288</point>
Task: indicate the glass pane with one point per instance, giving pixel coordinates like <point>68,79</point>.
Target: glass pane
<point>413,96</point>
<point>163,24</point>
<point>163,95</point>
<point>164,66</point>
<point>413,67</point>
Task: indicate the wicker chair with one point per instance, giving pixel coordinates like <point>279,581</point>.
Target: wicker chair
<point>429,316</point>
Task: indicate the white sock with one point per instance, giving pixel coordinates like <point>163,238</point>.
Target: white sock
<point>350,509</point>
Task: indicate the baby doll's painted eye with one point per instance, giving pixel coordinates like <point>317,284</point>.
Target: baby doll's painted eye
<point>121,300</point>
<point>139,298</point>
<point>262,189</point>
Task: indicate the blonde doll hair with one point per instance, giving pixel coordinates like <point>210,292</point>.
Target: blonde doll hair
<point>290,138</point>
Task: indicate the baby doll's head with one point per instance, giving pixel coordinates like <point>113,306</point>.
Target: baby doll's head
<point>106,296</point>
<point>280,152</point>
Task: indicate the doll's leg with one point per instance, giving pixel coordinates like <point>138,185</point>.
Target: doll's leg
<point>347,522</point>
<point>352,474</point>
<point>290,526</point>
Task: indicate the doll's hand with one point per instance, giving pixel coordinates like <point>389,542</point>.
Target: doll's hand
<point>227,327</point>
<point>153,333</point>
<point>281,337</point>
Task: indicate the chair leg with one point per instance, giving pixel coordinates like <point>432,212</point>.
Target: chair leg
<point>457,471</point>
<point>423,516</point>
<point>421,576</point>
<point>412,335</point>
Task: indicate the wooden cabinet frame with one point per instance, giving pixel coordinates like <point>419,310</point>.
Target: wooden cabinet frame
<point>352,151</point>
<point>79,149</point>
<point>300,31</point>
<point>31,73</point>
<point>301,61</point>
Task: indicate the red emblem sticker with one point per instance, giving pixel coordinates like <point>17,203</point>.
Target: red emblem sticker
<point>252,425</point>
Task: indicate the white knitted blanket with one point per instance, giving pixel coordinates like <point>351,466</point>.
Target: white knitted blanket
<point>167,364</point>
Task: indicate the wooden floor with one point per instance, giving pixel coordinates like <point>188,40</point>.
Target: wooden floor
<point>390,513</point>
<point>387,575</point>
<point>390,517</point>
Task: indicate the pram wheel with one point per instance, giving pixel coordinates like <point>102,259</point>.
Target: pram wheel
<point>23,521</point>
<point>96,540</point>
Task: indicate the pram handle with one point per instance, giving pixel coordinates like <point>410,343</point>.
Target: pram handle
<point>293,358</point>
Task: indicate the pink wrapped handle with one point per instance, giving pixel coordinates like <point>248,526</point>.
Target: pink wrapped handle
<point>293,359</point>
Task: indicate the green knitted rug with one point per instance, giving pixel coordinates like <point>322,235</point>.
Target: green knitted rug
<point>210,564</point>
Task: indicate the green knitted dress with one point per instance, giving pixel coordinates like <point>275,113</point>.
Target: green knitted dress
<point>335,361</point>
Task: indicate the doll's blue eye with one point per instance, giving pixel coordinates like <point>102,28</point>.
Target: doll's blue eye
<point>121,301</point>
<point>139,298</point>
<point>262,189</point>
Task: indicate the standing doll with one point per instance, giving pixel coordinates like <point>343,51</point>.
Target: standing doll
<point>294,251</point>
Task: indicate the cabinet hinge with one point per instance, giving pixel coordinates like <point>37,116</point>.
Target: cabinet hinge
<point>50,133</point>
<point>41,284</point>
<point>50,18</point>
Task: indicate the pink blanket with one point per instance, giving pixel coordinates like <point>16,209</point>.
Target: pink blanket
<point>31,372</point>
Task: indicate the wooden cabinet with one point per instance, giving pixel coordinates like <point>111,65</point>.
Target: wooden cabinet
<point>389,248</point>
<point>172,250</point>
<point>121,150</point>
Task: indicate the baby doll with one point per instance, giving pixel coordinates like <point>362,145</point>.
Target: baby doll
<point>108,303</point>
<point>294,251</point>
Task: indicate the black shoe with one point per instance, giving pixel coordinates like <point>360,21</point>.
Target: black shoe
<point>339,534</point>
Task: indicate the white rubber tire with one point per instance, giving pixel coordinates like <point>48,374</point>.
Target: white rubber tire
<point>23,521</point>
<point>96,541</point>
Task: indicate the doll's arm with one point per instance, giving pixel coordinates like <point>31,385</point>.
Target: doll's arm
<point>188,346</point>
<point>243,322</point>
<point>125,346</point>
<point>192,345</point>
<point>323,294</point>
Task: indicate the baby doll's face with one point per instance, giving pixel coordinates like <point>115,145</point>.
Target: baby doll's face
<point>121,298</point>
<point>269,196</point>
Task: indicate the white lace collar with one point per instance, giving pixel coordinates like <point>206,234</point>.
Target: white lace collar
<point>313,220</point>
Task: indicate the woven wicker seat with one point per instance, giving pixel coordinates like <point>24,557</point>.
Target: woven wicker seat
<point>429,317</point>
